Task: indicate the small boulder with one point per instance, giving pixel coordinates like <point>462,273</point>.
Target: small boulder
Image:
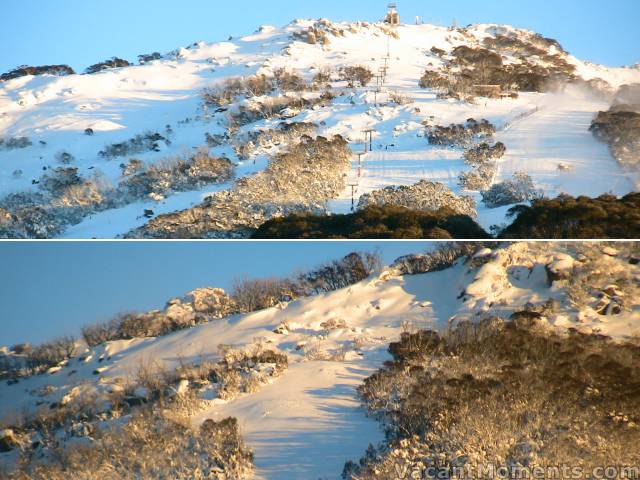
<point>8,440</point>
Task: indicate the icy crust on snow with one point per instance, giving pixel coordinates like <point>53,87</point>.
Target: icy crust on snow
<point>307,422</point>
<point>121,103</point>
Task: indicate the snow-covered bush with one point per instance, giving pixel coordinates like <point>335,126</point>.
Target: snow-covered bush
<point>424,195</point>
<point>153,444</point>
<point>480,178</point>
<point>302,178</point>
<point>517,190</point>
<point>59,179</point>
<point>177,174</point>
<point>484,153</point>
<point>399,98</point>
<point>147,142</point>
<point>461,134</point>
<point>356,75</point>
<point>512,395</point>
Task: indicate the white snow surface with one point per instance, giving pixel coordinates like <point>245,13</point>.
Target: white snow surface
<point>308,422</point>
<point>121,103</point>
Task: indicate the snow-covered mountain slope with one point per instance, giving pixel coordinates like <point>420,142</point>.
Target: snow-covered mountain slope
<point>307,422</point>
<point>164,96</point>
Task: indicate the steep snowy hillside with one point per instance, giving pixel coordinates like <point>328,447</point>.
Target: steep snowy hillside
<point>305,420</point>
<point>154,113</point>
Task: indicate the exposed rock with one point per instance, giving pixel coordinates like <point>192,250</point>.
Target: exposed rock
<point>211,301</point>
<point>610,251</point>
<point>179,312</point>
<point>560,268</point>
<point>8,440</point>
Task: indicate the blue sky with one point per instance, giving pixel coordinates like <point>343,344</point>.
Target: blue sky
<point>83,32</point>
<point>48,289</point>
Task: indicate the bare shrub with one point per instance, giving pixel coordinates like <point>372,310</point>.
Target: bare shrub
<point>101,332</point>
<point>322,78</point>
<point>287,81</point>
<point>52,353</point>
<point>257,294</point>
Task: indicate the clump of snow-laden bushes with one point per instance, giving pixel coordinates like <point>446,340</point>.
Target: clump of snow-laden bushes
<point>302,178</point>
<point>519,189</point>
<point>65,198</point>
<point>461,134</point>
<point>513,396</point>
<point>424,195</point>
<point>482,159</point>
<point>153,443</point>
<point>147,142</point>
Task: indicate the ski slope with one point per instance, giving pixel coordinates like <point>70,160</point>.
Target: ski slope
<point>165,96</point>
<point>308,422</point>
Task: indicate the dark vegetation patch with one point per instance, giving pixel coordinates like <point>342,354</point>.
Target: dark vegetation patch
<point>619,127</point>
<point>509,394</point>
<point>23,71</point>
<point>113,62</point>
<point>567,217</point>
<point>374,222</point>
<point>13,143</point>
<point>536,70</point>
<point>146,142</point>
<point>148,57</point>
